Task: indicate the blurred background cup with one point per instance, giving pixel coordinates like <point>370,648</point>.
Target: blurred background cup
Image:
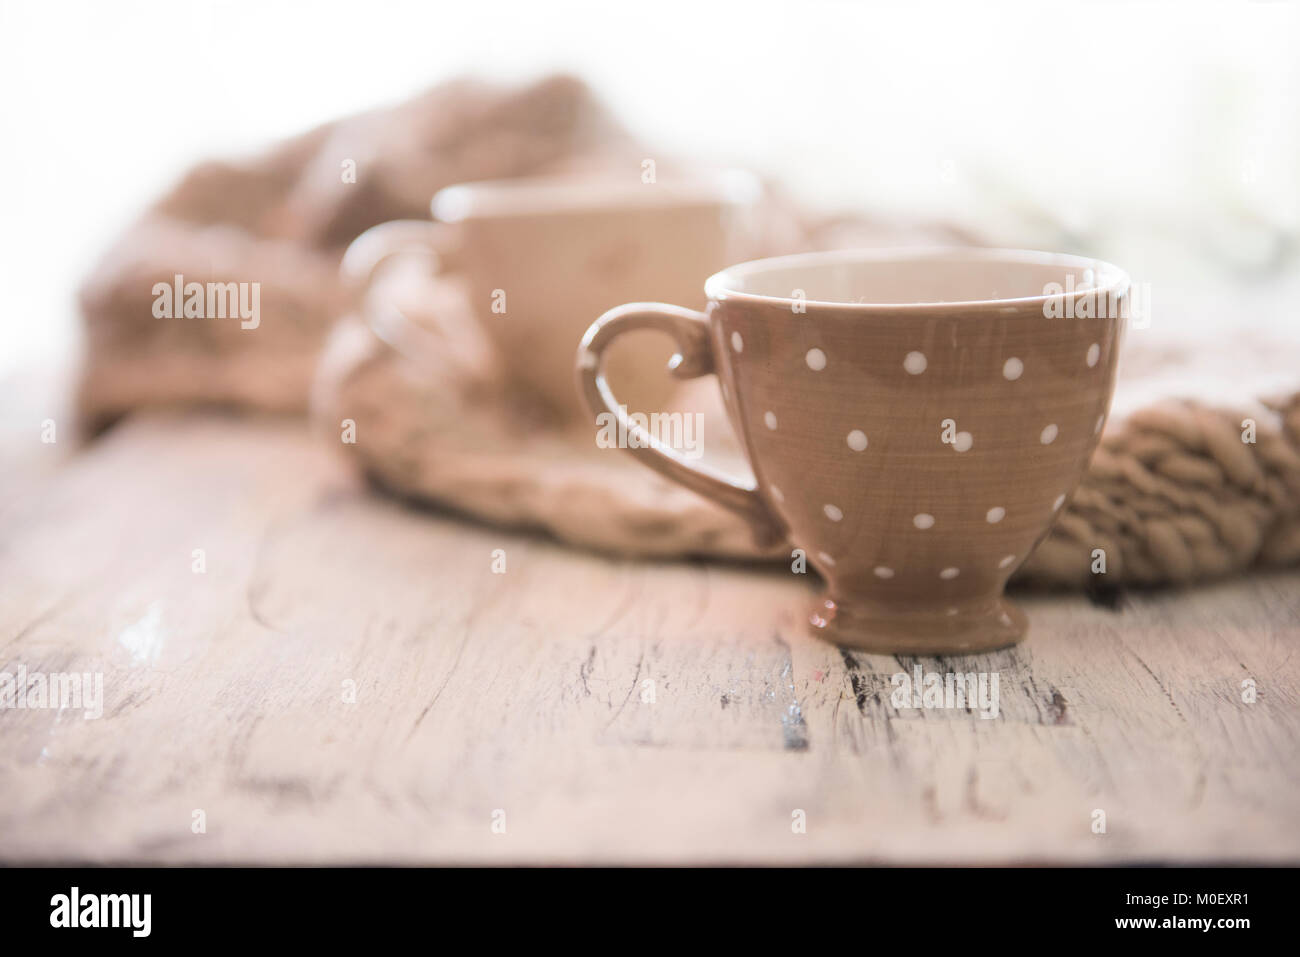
<point>537,259</point>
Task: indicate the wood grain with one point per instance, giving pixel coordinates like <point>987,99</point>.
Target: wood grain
<point>527,692</point>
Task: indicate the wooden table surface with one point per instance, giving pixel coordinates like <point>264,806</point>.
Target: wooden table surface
<point>349,680</point>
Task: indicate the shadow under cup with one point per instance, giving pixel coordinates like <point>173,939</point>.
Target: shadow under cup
<point>915,421</point>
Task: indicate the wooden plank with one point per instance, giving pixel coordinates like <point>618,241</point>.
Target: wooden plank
<point>615,711</point>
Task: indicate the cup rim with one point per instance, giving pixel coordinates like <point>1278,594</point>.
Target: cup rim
<point>577,192</point>
<point>721,286</point>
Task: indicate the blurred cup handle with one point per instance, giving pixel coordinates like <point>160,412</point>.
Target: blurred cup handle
<point>694,358</point>
<point>376,249</point>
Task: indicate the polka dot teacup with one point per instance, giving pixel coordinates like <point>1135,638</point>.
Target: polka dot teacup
<point>915,421</point>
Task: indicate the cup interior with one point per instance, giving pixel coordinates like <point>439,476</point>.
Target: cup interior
<point>916,278</point>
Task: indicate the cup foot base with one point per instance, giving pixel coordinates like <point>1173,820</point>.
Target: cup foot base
<point>963,630</point>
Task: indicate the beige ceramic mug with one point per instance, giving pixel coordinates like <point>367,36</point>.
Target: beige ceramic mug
<point>914,420</point>
<point>536,258</point>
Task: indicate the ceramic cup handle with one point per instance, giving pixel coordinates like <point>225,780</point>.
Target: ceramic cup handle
<point>694,357</point>
<point>377,248</point>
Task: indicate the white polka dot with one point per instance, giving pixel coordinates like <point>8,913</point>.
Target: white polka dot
<point>826,559</point>
<point>952,611</point>
<point>737,343</point>
<point>1012,369</point>
<point>769,419</point>
<point>881,571</point>
<point>1049,434</point>
<point>996,514</point>
<point>1007,560</point>
<point>1101,420</point>
<point>833,513</point>
<point>857,440</point>
<point>816,360</point>
<point>923,520</point>
<point>776,493</point>
<point>914,363</point>
<point>1094,353</point>
<point>962,441</point>
<point>948,574</point>
<point>1004,618</point>
<point>1060,500</point>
